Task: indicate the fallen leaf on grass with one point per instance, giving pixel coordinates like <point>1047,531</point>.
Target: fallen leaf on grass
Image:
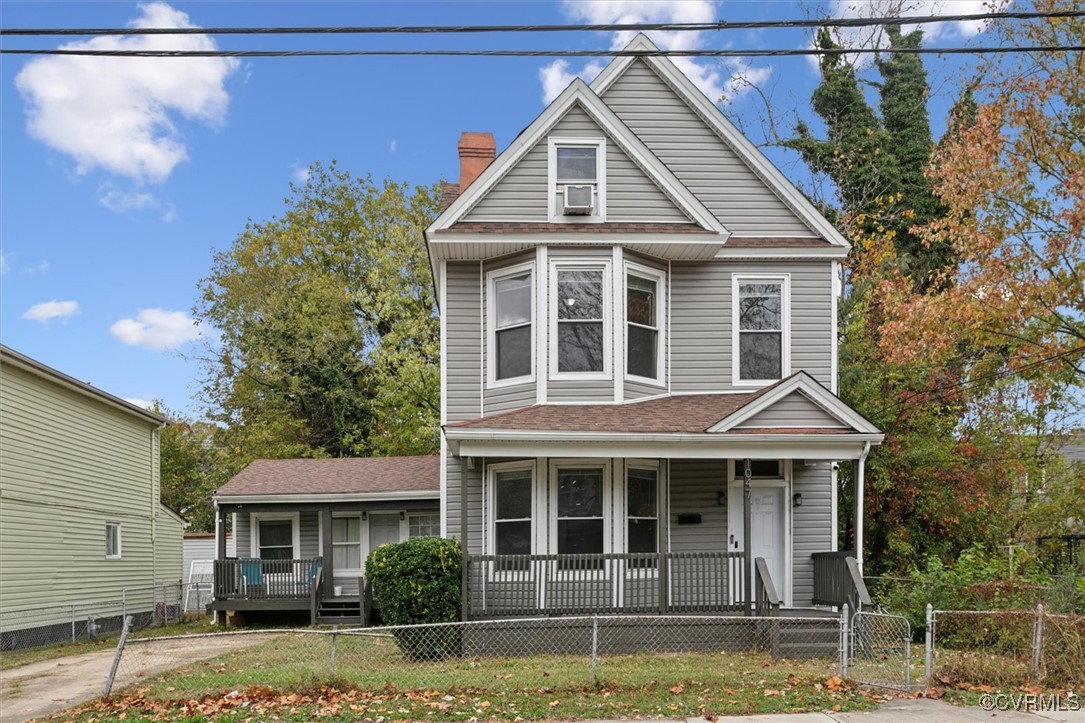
<point>769,692</point>
<point>677,689</point>
<point>834,683</point>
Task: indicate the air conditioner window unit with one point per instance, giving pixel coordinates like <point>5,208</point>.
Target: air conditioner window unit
<point>578,200</point>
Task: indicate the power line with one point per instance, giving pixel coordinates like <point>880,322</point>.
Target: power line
<point>605,27</point>
<point>703,53</point>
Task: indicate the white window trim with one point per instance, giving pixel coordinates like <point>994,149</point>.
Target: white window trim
<point>622,505</point>
<point>556,465</point>
<point>537,503</point>
<point>660,279</point>
<point>785,326</point>
<point>492,277</point>
<point>410,516</point>
<point>600,264</point>
<point>554,212</point>
<point>254,531</point>
<point>119,552</point>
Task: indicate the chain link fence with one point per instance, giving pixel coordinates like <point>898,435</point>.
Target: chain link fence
<point>33,627</point>
<point>1006,648</point>
<point>879,650</point>
<point>489,655</point>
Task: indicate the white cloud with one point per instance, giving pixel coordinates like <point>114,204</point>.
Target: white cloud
<point>156,329</point>
<point>4,268</point>
<point>300,174</point>
<point>49,310</point>
<point>119,201</point>
<point>712,77</point>
<point>393,146</point>
<point>118,113</point>
<point>140,402</point>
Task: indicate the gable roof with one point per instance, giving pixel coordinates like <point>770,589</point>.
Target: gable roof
<point>579,93</point>
<point>361,477</point>
<point>798,383</point>
<point>712,115</point>
<point>35,367</point>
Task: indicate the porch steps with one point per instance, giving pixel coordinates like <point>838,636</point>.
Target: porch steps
<point>340,611</point>
<point>807,639</point>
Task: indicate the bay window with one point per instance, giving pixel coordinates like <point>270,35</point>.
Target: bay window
<point>511,323</point>
<point>581,304</point>
<point>642,316</point>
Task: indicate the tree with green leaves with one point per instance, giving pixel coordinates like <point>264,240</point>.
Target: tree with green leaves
<point>192,467</point>
<point>327,337</point>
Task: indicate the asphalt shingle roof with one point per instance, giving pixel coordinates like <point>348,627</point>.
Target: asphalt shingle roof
<point>355,475</point>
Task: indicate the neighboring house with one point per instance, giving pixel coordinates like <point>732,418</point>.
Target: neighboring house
<point>80,511</point>
<point>639,362</point>
<point>303,529</point>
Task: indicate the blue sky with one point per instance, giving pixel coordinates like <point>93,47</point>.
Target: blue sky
<point>120,177</point>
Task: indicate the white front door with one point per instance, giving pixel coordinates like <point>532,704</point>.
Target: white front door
<point>383,529</point>
<point>768,526</point>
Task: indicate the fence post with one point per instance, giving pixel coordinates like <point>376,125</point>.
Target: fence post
<point>117,656</point>
<point>124,605</point>
<point>335,631</point>
<point>594,646</point>
<point>1037,641</point>
<point>844,641</point>
<point>73,622</point>
<point>928,645</point>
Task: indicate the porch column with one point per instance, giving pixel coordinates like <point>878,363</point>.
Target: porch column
<point>747,535</point>
<point>326,551</point>
<point>220,532</point>
<point>860,470</point>
<point>465,593</point>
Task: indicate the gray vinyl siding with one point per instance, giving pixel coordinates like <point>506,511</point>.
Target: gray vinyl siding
<point>699,157</point>
<point>309,534</point>
<point>72,463</point>
<point>454,493</point>
<point>463,341</point>
<point>695,486</point>
<point>513,396</point>
<point>701,321</point>
<point>794,410</point>
<point>520,195</point>
<point>811,525</point>
<point>631,195</point>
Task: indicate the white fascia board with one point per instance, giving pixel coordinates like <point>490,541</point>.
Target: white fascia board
<point>578,91</point>
<point>781,446</point>
<point>337,497</point>
<point>731,135</point>
<point>577,237</point>
<point>803,383</point>
<point>830,253</point>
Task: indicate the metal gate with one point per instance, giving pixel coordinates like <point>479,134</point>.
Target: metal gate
<point>879,650</point>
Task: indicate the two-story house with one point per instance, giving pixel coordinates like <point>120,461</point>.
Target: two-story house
<point>639,360</point>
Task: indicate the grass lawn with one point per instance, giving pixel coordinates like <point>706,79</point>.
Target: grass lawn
<point>289,678</point>
<point>18,658</point>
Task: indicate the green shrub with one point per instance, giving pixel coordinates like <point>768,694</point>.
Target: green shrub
<point>415,582</point>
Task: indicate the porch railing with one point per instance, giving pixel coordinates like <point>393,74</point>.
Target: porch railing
<point>837,580</point>
<point>689,582</point>
<point>250,578</point>
<point>766,600</point>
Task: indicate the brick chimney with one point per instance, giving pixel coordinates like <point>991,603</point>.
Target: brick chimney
<point>477,151</point>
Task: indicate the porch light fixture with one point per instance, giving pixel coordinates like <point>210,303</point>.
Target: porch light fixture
<point>365,515</point>
<point>722,499</point>
<point>796,499</point>
<point>402,516</point>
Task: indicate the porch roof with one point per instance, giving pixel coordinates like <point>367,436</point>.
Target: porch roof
<point>377,476</point>
<point>682,425</point>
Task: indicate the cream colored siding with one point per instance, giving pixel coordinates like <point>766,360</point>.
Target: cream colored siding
<point>169,550</point>
<point>71,464</point>
<point>701,160</point>
<point>631,196</point>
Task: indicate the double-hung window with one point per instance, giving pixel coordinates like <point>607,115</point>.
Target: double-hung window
<point>275,539</point>
<point>581,307</point>
<point>580,526</point>
<point>513,490</point>
<point>642,511</point>
<point>112,541</point>
<point>643,312</point>
<point>511,321</point>
<point>347,543</point>
<point>581,164</point>
<point>761,329</point>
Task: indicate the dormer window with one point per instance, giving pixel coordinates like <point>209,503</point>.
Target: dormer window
<point>577,171</point>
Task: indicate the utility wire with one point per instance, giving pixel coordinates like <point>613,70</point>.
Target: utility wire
<point>607,27</point>
<point>704,53</point>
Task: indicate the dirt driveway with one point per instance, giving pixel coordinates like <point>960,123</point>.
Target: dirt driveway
<point>39,689</point>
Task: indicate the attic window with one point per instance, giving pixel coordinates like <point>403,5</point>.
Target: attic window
<point>577,179</point>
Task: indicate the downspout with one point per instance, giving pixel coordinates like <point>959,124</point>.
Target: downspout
<point>859,474</point>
